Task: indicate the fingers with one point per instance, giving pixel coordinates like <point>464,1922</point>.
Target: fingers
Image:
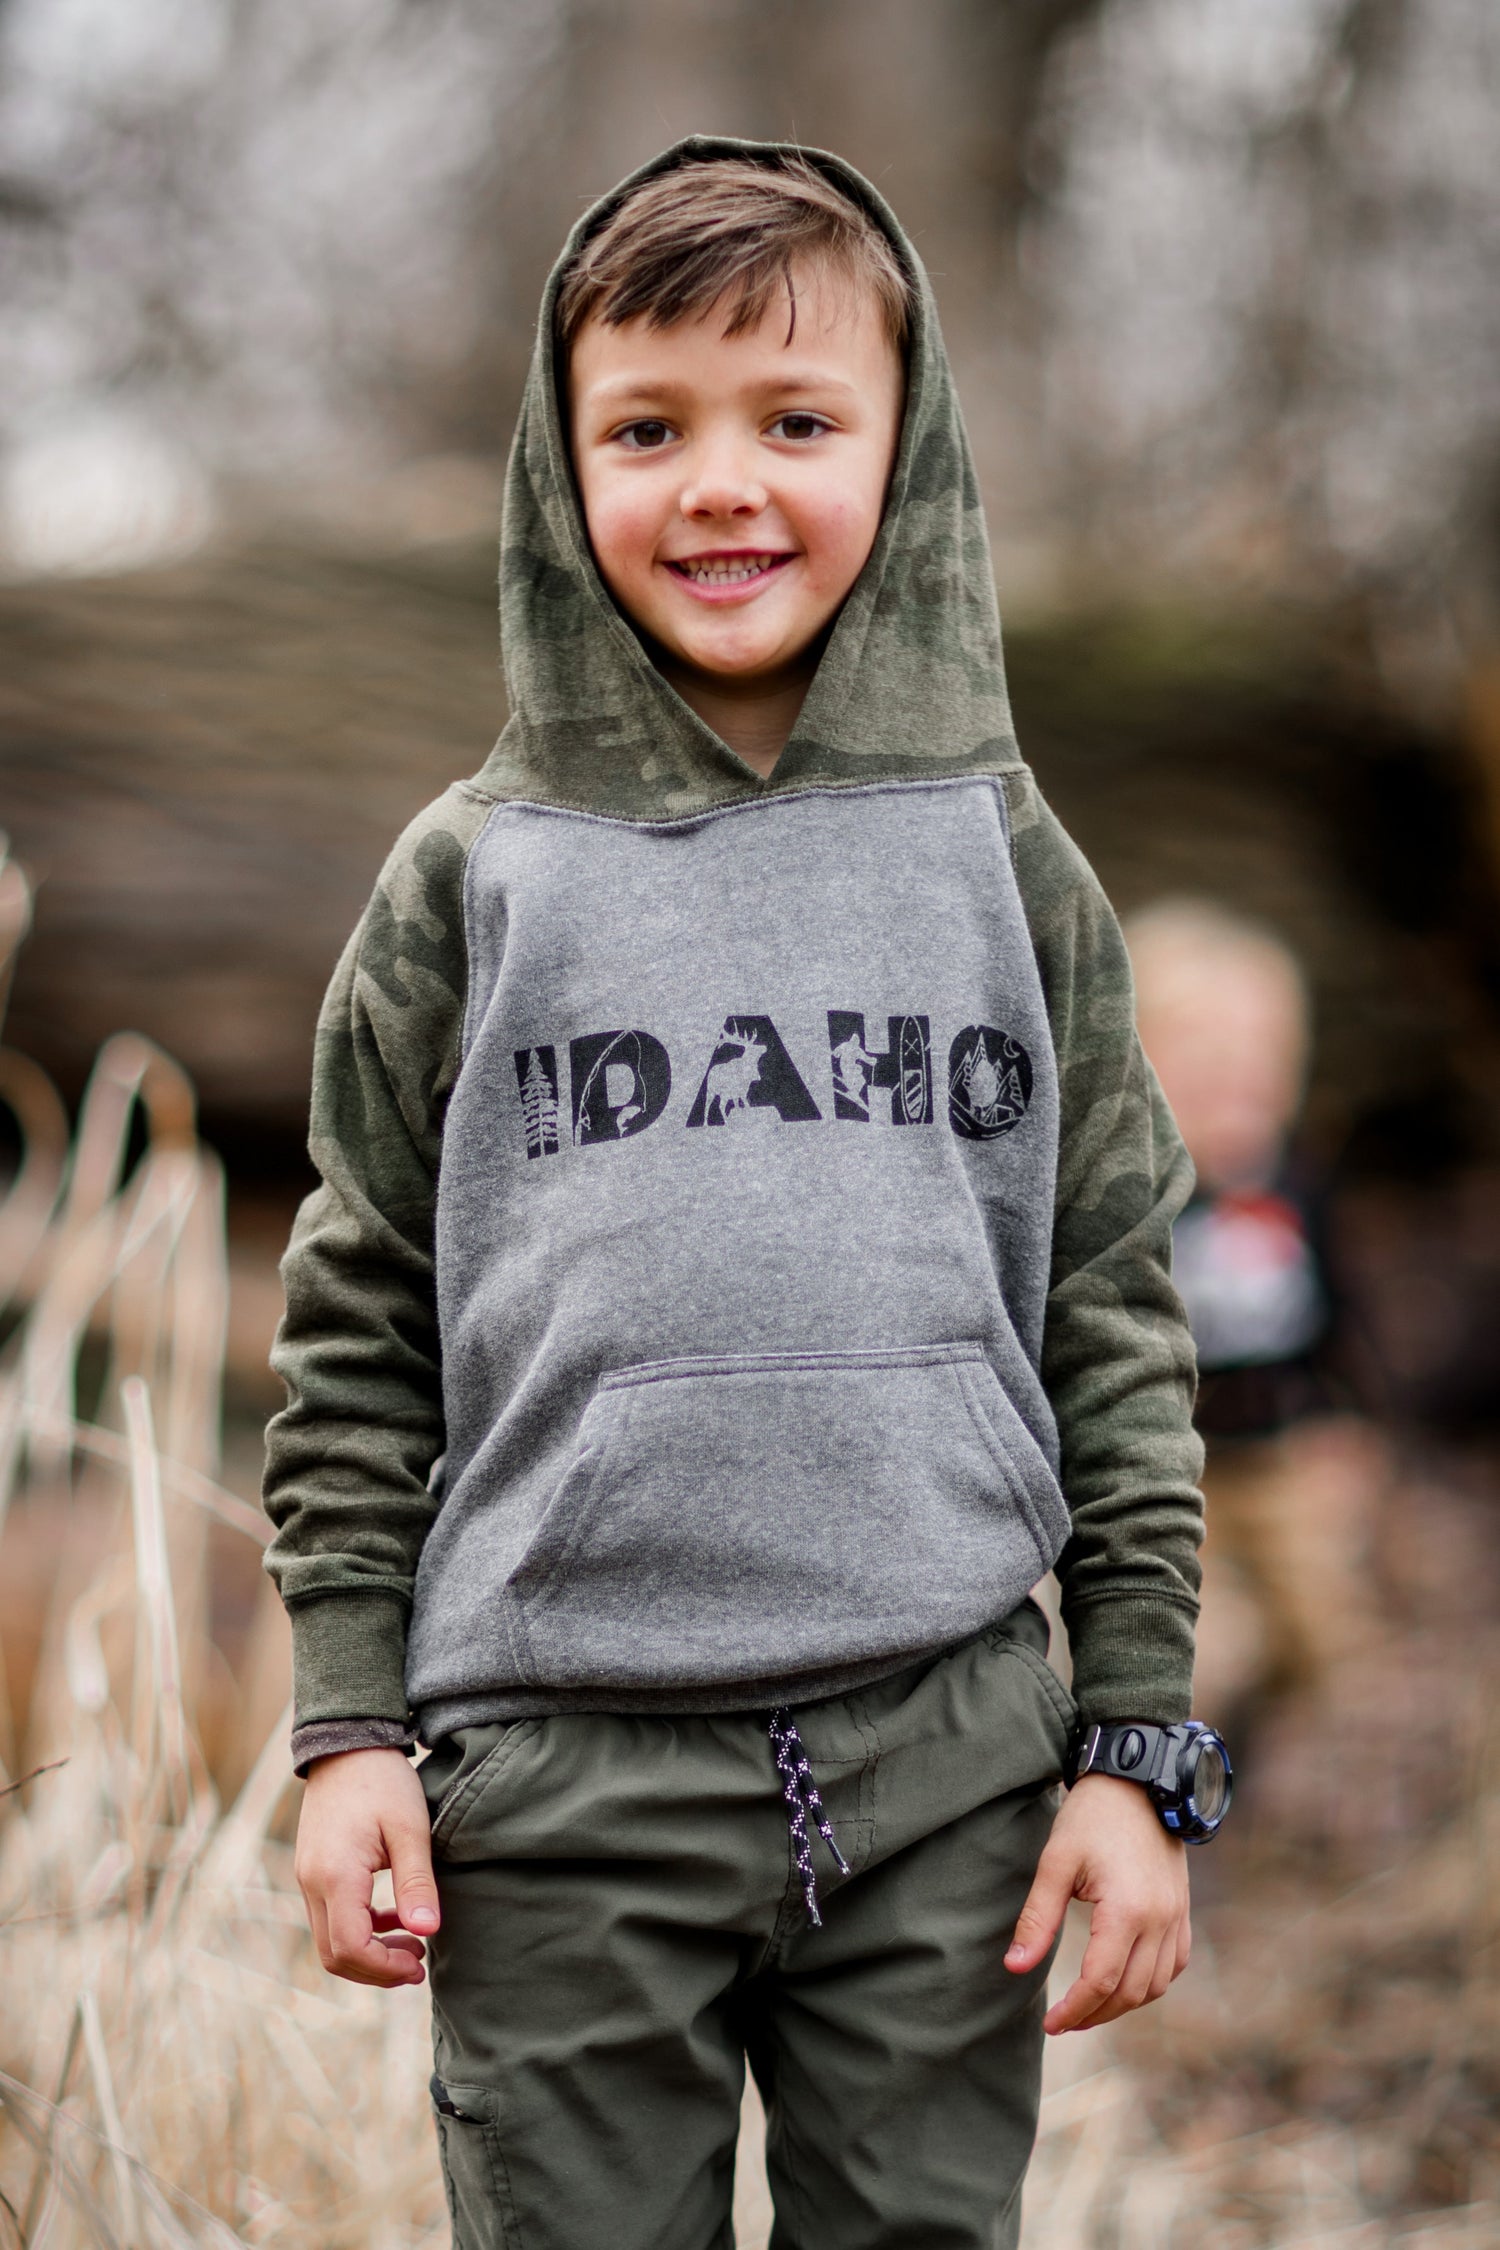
<point>1109,1950</point>
<point>352,1940</point>
<point>1117,1976</point>
<point>1040,1918</point>
<point>357,1951</point>
<point>1166,1968</point>
<point>385,1920</point>
<point>1133,1989</point>
<point>396,1940</point>
<point>317,1921</point>
<point>1184,1944</point>
<point>408,1839</point>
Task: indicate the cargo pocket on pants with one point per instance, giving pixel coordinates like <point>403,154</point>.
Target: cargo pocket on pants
<point>474,2175</point>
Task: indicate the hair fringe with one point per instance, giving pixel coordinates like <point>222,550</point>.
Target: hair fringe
<point>727,230</point>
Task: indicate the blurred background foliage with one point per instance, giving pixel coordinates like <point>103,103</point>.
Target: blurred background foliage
<point>1221,282</point>
<point>1222,285</point>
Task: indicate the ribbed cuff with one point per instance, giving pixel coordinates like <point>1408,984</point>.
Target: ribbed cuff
<point>332,1737</point>
<point>349,1657</point>
<point>1132,1659</point>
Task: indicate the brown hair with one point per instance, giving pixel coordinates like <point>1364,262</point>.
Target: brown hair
<point>727,228</point>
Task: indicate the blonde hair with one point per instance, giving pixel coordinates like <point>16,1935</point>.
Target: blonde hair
<point>1181,945</point>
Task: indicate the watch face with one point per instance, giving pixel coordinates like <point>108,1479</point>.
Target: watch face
<point>1209,1785</point>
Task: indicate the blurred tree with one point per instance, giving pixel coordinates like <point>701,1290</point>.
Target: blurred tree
<point>1220,279</point>
<point>1270,269</point>
<point>236,237</point>
<point>1221,275</point>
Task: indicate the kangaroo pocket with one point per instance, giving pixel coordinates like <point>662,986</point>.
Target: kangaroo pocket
<point>754,1516</point>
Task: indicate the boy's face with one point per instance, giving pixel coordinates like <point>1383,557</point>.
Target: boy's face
<point>1227,1036</point>
<point>733,485</point>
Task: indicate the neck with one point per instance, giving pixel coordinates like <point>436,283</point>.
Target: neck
<point>755,717</point>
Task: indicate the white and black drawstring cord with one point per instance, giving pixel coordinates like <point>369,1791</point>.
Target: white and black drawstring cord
<point>801,1794</point>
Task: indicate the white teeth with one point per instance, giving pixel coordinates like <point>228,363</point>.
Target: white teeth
<point>728,573</point>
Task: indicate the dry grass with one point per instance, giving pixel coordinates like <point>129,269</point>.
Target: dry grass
<point>174,2068</point>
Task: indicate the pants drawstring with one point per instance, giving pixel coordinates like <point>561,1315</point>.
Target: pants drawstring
<point>801,1794</point>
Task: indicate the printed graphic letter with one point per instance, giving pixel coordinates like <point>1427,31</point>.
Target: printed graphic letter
<point>905,1068</point>
<point>989,1082</point>
<point>751,1079</point>
<point>621,1080</point>
<point>536,1075</point>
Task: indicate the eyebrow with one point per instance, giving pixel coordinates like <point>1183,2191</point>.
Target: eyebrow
<point>619,390</point>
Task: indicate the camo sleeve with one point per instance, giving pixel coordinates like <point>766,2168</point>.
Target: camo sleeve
<point>1117,1357</point>
<point>348,1460</point>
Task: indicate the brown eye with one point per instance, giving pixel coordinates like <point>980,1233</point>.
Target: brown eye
<point>645,437</point>
<point>799,427</point>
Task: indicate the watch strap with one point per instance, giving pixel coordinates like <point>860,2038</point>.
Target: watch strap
<point>1125,1749</point>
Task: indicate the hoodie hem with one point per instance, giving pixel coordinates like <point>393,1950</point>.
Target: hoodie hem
<point>445,1715</point>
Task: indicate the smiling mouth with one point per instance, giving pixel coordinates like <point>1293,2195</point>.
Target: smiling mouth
<point>726,570</point>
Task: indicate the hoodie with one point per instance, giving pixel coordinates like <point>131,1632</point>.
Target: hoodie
<point>741,1264</point>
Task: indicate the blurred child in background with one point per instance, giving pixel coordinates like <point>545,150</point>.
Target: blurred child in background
<point>1292,1475</point>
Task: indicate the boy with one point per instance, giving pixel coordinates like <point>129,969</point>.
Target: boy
<point>745,1215</point>
<point>1293,1477</point>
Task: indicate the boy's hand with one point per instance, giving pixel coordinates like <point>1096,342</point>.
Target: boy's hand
<point>364,1810</point>
<point>1108,1847</point>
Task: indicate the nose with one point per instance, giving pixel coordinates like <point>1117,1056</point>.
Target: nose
<point>722,481</point>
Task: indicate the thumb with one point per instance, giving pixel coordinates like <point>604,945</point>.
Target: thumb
<point>1040,1918</point>
<point>410,1848</point>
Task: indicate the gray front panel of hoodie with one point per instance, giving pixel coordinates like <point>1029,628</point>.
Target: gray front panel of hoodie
<point>744,1231</point>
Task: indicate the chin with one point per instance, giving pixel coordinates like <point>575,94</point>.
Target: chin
<point>734,664</point>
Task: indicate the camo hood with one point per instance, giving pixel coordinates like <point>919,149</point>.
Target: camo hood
<point>912,681</point>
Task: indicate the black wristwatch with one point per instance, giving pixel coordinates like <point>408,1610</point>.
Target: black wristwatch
<point>1184,1770</point>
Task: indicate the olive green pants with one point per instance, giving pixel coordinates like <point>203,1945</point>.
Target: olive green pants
<point>623,1925</point>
